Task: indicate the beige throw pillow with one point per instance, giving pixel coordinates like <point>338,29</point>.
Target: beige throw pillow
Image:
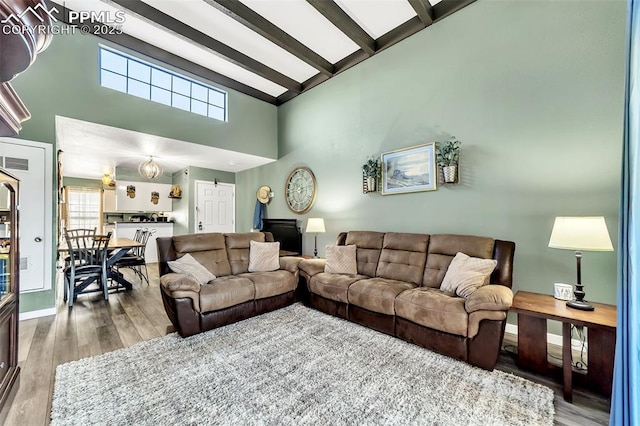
<point>264,257</point>
<point>341,260</point>
<point>467,274</point>
<point>189,266</point>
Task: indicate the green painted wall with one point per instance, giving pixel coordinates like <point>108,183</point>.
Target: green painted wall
<point>64,81</point>
<point>534,90</point>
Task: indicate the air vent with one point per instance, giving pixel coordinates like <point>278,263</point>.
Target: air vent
<point>16,163</point>
<point>23,263</point>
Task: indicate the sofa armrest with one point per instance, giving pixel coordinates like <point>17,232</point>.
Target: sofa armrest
<point>179,282</point>
<point>289,263</point>
<point>312,267</point>
<point>490,297</point>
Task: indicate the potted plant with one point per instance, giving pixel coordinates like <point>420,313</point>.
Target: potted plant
<point>447,157</point>
<point>370,171</point>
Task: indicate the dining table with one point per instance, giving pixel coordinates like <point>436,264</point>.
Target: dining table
<point>118,247</point>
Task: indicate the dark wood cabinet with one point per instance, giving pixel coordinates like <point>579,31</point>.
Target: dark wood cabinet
<point>9,290</point>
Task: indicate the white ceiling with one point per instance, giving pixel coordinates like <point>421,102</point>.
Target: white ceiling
<point>91,150</point>
<point>270,49</point>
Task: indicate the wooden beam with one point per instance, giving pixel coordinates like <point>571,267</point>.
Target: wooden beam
<point>423,9</point>
<point>175,61</point>
<point>400,32</point>
<point>228,53</point>
<point>256,22</point>
<point>447,7</point>
<point>338,17</point>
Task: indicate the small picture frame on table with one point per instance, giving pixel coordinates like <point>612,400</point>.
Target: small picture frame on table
<point>410,169</point>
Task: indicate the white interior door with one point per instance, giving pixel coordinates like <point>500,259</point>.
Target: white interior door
<point>215,207</point>
<point>28,162</point>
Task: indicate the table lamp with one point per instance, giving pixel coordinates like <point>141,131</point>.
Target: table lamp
<point>315,225</point>
<point>580,233</point>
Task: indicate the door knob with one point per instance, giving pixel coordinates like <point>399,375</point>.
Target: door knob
<point>200,226</point>
<point>37,239</point>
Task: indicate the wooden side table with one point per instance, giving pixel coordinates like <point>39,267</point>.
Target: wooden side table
<point>535,309</point>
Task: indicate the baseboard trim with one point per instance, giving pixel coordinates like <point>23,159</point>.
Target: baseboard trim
<point>37,314</point>
<point>554,339</point>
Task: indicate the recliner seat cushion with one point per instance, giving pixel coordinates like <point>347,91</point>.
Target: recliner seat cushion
<point>369,245</point>
<point>226,291</point>
<point>403,257</point>
<point>268,284</point>
<point>333,286</point>
<point>433,308</point>
<point>208,249</point>
<point>377,294</point>
<point>443,248</point>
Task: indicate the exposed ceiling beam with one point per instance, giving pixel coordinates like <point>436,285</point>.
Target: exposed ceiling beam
<point>228,53</point>
<point>162,56</point>
<point>338,17</point>
<point>447,7</point>
<point>254,21</point>
<point>423,9</point>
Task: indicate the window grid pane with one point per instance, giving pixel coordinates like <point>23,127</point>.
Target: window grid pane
<point>83,208</point>
<point>129,75</point>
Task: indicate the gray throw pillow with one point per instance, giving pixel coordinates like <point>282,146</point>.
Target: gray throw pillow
<point>189,266</point>
<point>264,257</point>
<point>341,259</point>
<point>467,274</point>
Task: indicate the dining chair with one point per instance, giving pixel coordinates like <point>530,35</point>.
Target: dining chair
<point>79,232</point>
<point>135,259</point>
<point>89,266</point>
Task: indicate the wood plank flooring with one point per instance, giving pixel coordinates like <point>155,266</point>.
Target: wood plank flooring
<point>95,326</point>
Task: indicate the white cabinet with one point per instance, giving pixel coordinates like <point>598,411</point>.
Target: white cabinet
<point>128,230</point>
<point>142,196</point>
<point>109,200</point>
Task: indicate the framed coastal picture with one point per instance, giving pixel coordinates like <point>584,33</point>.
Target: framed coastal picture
<point>410,169</point>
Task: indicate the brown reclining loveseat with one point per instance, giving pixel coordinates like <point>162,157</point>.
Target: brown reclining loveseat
<point>235,294</point>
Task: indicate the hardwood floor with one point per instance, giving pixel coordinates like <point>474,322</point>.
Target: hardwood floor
<point>95,326</point>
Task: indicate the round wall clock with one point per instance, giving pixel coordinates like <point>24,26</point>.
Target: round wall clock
<point>300,190</point>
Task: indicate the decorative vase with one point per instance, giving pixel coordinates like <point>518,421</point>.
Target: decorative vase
<point>450,173</point>
<point>371,184</point>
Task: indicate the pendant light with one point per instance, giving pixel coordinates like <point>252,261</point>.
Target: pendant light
<point>149,169</point>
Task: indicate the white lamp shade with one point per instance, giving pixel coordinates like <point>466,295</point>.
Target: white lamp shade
<point>315,225</point>
<point>588,233</point>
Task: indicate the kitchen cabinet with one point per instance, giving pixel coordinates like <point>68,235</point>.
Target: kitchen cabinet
<point>109,200</point>
<point>128,230</point>
<point>139,196</point>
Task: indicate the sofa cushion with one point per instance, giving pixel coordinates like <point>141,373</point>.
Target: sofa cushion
<point>377,294</point>
<point>443,248</point>
<point>333,286</point>
<point>369,245</point>
<point>466,274</point>
<point>264,257</point>
<point>208,249</point>
<point>403,257</point>
<point>433,308</point>
<point>189,266</point>
<point>238,249</point>
<point>272,283</point>
<point>341,260</point>
<point>226,291</point>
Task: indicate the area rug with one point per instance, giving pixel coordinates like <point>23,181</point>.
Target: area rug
<point>294,366</point>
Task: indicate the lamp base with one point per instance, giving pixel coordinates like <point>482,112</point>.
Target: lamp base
<point>580,304</point>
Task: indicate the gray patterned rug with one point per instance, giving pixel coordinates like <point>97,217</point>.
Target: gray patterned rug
<point>293,366</point>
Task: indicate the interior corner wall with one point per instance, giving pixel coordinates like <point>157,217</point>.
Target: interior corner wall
<point>535,92</point>
<point>64,81</point>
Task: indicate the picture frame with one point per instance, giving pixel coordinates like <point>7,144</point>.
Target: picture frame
<point>410,169</point>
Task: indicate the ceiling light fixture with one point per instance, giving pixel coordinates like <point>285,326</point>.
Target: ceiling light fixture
<point>149,169</point>
<point>107,180</point>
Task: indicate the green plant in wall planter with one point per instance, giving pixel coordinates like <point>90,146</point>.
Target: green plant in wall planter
<point>370,172</point>
<point>447,157</point>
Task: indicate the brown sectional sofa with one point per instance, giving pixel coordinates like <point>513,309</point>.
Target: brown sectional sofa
<point>396,291</point>
<point>235,294</point>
